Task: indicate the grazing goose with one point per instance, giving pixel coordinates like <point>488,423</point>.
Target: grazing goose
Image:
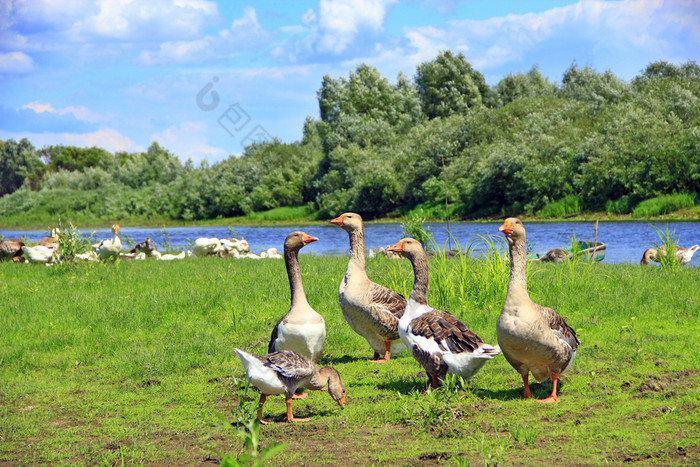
<point>146,246</point>
<point>372,310</point>
<point>301,329</point>
<point>39,254</point>
<point>437,339</point>
<point>11,250</point>
<point>284,372</point>
<point>110,248</point>
<point>683,254</point>
<point>533,338</point>
<point>168,257</point>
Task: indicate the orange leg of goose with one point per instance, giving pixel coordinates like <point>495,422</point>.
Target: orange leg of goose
<point>436,383</point>
<point>290,415</point>
<point>527,394</point>
<point>387,354</point>
<point>263,397</point>
<point>553,397</point>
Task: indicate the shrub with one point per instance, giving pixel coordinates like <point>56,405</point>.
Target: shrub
<point>664,204</point>
<point>567,206</point>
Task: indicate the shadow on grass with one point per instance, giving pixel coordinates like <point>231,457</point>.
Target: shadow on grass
<point>538,390</point>
<point>326,360</point>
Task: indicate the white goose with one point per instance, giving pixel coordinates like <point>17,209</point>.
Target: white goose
<point>39,254</point>
<point>683,254</point>
<point>207,247</point>
<point>284,372</point>
<point>371,310</point>
<point>533,338</point>
<point>110,248</point>
<point>302,329</point>
<point>437,339</point>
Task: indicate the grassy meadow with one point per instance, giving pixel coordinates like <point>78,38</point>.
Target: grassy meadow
<point>133,363</point>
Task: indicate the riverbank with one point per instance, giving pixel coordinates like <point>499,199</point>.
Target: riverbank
<point>303,216</point>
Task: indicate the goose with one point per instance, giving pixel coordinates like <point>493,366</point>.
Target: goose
<point>51,241</point>
<point>439,341</point>
<point>146,246</point>
<point>207,246</point>
<point>302,329</point>
<point>39,254</point>
<point>11,249</point>
<point>371,310</point>
<point>110,248</point>
<point>169,257</point>
<point>88,256</point>
<point>133,256</point>
<point>284,372</point>
<point>533,338</point>
<point>683,254</point>
<point>239,245</point>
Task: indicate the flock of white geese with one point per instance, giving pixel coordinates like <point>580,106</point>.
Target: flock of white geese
<point>47,251</point>
<point>533,338</point>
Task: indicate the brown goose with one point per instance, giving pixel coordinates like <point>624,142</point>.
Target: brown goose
<point>437,339</point>
<point>284,372</point>
<point>372,310</point>
<point>301,329</point>
<point>683,254</point>
<point>11,250</point>
<point>52,241</point>
<point>533,338</point>
<point>146,246</point>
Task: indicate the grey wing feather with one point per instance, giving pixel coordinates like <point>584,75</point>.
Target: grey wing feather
<point>384,299</point>
<point>448,331</point>
<point>273,337</point>
<point>290,364</point>
<point>559,327</point>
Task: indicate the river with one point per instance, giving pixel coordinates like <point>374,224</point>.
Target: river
<point>626,240</point>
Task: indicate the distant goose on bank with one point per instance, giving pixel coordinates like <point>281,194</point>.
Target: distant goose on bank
<point>683,254</point>
<point>11,250</point>
<point>284,372</point>
<point>146,246</point>
<point>533,338</point>
<point>302,329</point>
<point>39,254</point>
<point>439,341</point>
<point>207,247</point>
<point>371,310</point>
<point>110,248</point>
<point>51,241</point>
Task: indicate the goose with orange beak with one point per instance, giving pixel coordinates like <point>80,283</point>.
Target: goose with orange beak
<point>533,338</point>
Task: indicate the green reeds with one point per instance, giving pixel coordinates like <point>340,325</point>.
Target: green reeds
<point>664,205</point>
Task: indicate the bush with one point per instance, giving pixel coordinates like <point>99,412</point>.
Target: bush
<point>664,204</point>
<point>619,206</point>
<point>567,206</point>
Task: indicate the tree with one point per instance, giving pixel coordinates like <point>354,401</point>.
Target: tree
<point>18,163</point>
<point>530,84</point>
<point>449,85</point>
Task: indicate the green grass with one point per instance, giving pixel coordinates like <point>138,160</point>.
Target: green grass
<point>664,205</point>
<point>568,206</point>
<point>132,363</point>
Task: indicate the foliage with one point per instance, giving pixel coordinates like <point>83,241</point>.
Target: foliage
<point>71,242</point>
<point>567,206</point>
<point>413,227</point>
<point>664,204</point>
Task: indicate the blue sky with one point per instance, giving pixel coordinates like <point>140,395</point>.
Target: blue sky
<point>202,77</point>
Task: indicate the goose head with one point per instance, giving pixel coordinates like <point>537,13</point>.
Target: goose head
<point>513,229</point>
<point>650,254</point>
<point>115,229</point>
<point>348,221</point>
<point>408,248</point>
<point>336,389</point>
<point>296,240</point>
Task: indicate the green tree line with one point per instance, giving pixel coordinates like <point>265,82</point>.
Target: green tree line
<point>593,142</point>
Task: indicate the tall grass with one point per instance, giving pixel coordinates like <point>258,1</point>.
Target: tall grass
<point>664,205</point>
<point>569,205</point>
<point>667,243</point>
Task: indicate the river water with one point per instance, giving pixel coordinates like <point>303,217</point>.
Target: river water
<point>626,240</point>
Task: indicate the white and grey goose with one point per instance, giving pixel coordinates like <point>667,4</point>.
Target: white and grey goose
<point>533,338</point>
<point>683,254</point>
<point>284,372</point>
<point>302,329</point>
<point>372,310</point>
<point>110,248</point>
<point>439,341</point>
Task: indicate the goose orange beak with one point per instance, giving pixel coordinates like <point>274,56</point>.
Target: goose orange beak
<point>337,221</point>
<point>506,228</point>
<point>341,402</point>
<point>398,248</point>
<point>308,239</point>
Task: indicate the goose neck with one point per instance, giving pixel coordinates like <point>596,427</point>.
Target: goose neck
<point>357,249</point>
<point>296,287</point>
<point>517,284</point>
<point>419,293</point>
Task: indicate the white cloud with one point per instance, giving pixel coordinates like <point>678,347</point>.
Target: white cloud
<point>106,138</point>
<point>188,140</point>
<point>245,33</point>
<point>81,113</point>
<point>15,62</point>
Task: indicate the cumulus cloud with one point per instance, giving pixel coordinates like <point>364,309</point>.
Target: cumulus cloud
<point>15,63</point>
<point>244,34</point>
<point>106,138</point>
<point>188,140</point>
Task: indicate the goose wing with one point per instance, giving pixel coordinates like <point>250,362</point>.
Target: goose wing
<point>290,365</point>
<point>447,331</point>
<point>385,300</point>
<point>564,332</point>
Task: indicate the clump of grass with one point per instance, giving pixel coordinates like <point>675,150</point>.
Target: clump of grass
<point>664,205</point>
<point>413,227</point>
<point>569,205</point>
<point>284,213</point>
<point>667,243</point>
<point>71,242</point>
<point>623,205</point>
